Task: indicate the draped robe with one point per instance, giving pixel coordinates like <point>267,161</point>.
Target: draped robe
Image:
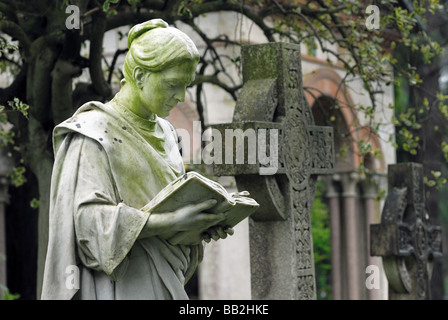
<point>109,163</point>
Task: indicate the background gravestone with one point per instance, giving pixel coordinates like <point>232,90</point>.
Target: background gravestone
<point>405,238</point>
<point>281,246</point>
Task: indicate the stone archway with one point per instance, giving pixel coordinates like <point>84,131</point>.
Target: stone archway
<point>351,196</point>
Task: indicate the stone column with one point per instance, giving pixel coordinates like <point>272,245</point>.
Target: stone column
<point>224,274</point>
<point>335,235</point>
<point>352,239</point>
<point>3,201</point>
<point>372,217</point>
<point>6,164</point>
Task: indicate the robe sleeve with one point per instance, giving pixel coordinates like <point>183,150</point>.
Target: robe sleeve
<point>105,228</point>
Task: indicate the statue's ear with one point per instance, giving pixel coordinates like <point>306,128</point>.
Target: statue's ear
<point>139,77</point>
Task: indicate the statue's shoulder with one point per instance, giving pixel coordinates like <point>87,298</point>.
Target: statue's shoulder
<point>90,120</point>
<point>92,115</point>
<point>92,112</point>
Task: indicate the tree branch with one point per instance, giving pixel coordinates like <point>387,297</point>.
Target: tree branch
<point>9,12</point>
<point>61,89</point>
<point>96,52</point>
<point>131,18</point>
<point>113,63</point>
<point>39,80</point>
<point>213,79</point>
<point>218,5</point>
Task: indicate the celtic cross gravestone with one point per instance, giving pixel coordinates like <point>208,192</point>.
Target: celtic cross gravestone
<point>405,238</point>
<point>291,151</point>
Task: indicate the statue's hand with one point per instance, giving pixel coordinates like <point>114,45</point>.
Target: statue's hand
<point>192,217</point>
<point>176,226</point>
<point>216,233</point>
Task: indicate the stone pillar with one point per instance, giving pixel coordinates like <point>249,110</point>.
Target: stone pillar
<point>335,235</point>
<point>372,217</point>
<point>224,274</point>
<point>3,200</point>
<point>6,164</point>
<point>352,239</point>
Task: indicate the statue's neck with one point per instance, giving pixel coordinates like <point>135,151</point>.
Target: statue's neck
<point>129,99</point>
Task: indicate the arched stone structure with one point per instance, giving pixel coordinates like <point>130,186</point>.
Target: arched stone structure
<point>351,196</point>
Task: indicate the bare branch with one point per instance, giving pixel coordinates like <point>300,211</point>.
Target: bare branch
<point>96,52</point>
<point>114,61</point>
<point>213,79</point>
<point>217,5</point>
<point>61,89</point>
<point>129,18</point>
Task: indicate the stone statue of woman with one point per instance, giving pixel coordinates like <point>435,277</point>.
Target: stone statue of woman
<point>110,160</point>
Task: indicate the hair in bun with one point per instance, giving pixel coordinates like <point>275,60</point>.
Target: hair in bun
<point>139,29</point>
<point>154,45</point>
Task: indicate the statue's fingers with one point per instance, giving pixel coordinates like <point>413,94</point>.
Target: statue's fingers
<point>221,233</point>
<point>217,233</point>
<point>229,230</point>
<point>207,204</point>
<point>206,237</point>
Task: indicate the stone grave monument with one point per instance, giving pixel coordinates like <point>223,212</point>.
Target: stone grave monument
<point>405,238</point>
<point>291,151</point>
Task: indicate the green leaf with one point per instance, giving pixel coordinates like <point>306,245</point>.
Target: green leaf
<point>34,203</point>
<point>17,176</point>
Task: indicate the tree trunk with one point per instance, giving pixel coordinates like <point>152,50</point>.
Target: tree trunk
<point>430,153</point>
<point>38,152</point>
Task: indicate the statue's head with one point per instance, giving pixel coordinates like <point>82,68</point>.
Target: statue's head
<point>160,64</point>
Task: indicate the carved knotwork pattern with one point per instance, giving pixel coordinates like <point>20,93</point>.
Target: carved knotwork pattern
<point>417,184</point>
<point>435,239</point>
<point>322,147</point>
<point>404,239</point>
<point>422,283</point>
<point>420,238</point>
<point>305,287</point>
<point>302,226</point>
<point>298,158</point>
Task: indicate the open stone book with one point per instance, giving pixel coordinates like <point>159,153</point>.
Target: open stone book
<point>193,188</point>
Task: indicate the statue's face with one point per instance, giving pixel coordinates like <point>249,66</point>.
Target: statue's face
<point>162,91</point>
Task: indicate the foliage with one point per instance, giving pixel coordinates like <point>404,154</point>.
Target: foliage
<point>6,295</point>
<point>320,223</point>
<point>16,175</point>
<point>321,25</point>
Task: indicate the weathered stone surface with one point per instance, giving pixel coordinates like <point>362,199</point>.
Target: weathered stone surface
<point>405,238</point>
<point>282,262</point>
